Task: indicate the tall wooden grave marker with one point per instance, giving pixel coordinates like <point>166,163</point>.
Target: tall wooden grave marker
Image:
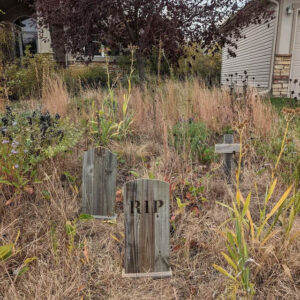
<point>99,183</point>
<point>147,229</point>
<point>227,148</point>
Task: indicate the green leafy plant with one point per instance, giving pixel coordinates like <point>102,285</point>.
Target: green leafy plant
<point>6,251</point>
<point>192,136</point>
<point>26,77</point>
<point>25,266</point>
<point>84,77</point>
<point>28,139</point>
<point>195,62</point>
<point>105,125</point>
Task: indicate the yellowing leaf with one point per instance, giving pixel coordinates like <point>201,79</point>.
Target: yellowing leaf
<point>224,272</point>
<point>271,190</point>
<point>115,238</point>
<point>248,214</point>
<point>274,210</point>
<point>230,261</point>
<point>180,204</point>
<point>27,261</point>
<point>246,205</point>
<point>279,203</point>
<point>238,197</point>
<point>6,251</point>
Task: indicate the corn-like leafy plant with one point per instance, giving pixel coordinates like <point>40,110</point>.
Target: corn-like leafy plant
<point>238,241</point>
<point>105,126</point>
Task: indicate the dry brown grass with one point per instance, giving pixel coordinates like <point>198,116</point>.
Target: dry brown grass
<point>93,269</point>
<point>158,108</point>
<point>3,103</point>
<point>55,98</point>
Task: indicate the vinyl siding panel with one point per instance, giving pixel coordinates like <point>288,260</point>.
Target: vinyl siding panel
<point>254,54</point>
<point>295,71</point>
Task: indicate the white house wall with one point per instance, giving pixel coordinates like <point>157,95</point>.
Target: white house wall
<point>285,28</point>
<point>254,54</point>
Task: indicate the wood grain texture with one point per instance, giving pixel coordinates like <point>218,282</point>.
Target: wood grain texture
<point>228,139</point>
<point>227,148</point>
<point>146,206</point>
<point>99,182</point>
<point>154,275</point>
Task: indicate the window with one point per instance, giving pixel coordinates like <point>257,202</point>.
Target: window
<point>27,35</point>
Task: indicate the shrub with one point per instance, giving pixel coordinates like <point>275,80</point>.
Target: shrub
<point>197,63</point>
<point>83,77</point>
<point>26,77</point>
<point>28,139</point>
<point>192,137</point>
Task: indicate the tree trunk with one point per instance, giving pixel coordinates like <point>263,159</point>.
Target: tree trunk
<point>140,65</point>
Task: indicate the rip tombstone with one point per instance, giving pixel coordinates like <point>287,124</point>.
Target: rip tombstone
<point>228,148</point>
<point>99,183</point>
<point>147,229</point>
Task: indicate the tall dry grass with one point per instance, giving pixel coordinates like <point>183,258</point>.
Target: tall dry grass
<point>93,270</point>
<point>55,97</point>
<point>156,107</point>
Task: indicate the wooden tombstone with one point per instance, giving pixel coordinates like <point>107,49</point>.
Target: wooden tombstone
<point>228,148</point>
<point>99,183</point>
<point>147,229</point>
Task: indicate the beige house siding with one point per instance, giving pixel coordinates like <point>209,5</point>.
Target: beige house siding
<point>254,54</point>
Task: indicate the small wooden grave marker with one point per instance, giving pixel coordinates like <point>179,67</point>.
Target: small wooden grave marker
<point>99,183</point>
<point>147,229</point>
<point>228,148</point>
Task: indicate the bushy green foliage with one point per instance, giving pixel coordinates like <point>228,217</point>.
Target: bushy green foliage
<point>26,140</point>
<point>192,136</point>
<point>197,63</point>
<point>85,76</point>
<point>26,77</point>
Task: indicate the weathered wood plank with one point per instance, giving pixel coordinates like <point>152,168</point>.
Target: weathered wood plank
<point>155,275</point>
<point>228,139</point>
<point>162,236</point>
<point>227,148</point>
<point>146,208</point>
<point>99,183</point>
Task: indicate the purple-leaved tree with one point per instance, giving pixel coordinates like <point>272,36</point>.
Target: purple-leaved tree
<point>146,23</point>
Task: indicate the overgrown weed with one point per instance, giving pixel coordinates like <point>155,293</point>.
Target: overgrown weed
<point>84,261</point>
